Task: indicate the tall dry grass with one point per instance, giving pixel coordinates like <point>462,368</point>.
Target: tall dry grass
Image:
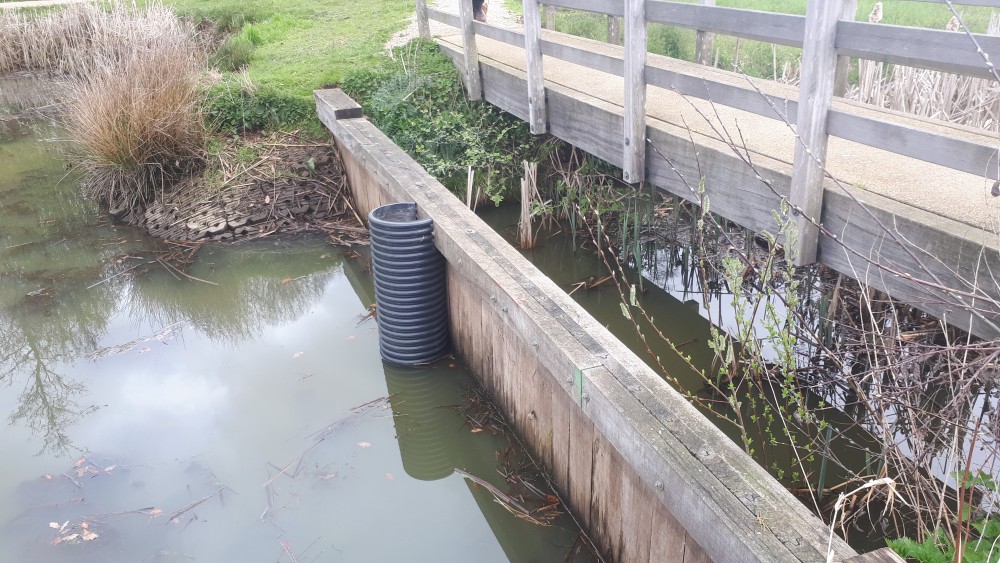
<point>133,103</point>
<point>929,93</point>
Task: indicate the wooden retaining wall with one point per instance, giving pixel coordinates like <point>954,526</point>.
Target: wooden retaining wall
<point>648,475</point>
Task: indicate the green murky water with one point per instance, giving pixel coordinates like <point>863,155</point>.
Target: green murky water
<point>149,418</point>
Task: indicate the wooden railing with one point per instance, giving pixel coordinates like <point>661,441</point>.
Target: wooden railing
<point>827,40</point>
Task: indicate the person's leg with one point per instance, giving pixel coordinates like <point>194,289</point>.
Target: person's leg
<point>479,10</point>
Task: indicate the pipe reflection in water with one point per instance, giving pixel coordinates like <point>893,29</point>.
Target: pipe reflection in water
<point>425,426</point>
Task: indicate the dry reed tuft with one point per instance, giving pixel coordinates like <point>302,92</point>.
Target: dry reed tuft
<point>929,93</point>
<point>132,107</point>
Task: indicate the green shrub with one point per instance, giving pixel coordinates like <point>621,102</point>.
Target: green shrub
<point>234,106</point>
<point>234,54</point>
<point>421,105</point>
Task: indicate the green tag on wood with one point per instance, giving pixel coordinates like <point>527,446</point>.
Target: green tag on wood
<point>578,382</point>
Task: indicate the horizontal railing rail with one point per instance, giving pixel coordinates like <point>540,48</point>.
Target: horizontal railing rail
<point>964,150</point>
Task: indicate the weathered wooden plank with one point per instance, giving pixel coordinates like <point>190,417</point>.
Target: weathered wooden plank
<point>848,13</point>
<point>423,26</point>
<point>533,67</point>
<point>693,553</point>
<point>610,7</point>
<point>605,506</point>
<point>975,158</point>
<point>581,464</point>
<point>339,105</point>
<point>444,17</point>
<point>559,407</point>
<point>470,70</point>
<point>666,535</point>
<point>886,554</point>
<point>504,35</point>
<point>739,97</point>
<point>819,61</point>
<point>637,507</point>
<point>770,27</point>
<point>582,57</point>
<point>935,49</point>
<point>703,42</point>
<point>550,17</point>
<point>634,139</point>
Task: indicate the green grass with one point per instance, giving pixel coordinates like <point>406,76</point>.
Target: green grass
<point>298,46</point>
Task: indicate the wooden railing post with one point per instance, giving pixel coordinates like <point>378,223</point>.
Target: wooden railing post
<point>423,26</point>
<point>533,56</point>
<point>819,62</point>
<point>844,63</point>
<point>473,82</point>
<point>634,157</point>
<point>704,40</point>
<point>614,30</point>
<point>550,17</point>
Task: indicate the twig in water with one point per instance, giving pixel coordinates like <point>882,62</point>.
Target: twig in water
<point>192,505</point>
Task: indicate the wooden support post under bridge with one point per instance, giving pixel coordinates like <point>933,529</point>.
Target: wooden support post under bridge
<point>819,61</point>
<point>473,81</point>
<point>634,156</point>
<point>704,41</point>
<point>533,59</point>
<point>423,26</point>
<point>844,62</point>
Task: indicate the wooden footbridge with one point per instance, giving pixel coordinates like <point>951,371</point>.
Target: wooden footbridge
<point>901,203</point>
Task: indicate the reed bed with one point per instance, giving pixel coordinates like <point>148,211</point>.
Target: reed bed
<point>133,103</point>
<point>929,93</point>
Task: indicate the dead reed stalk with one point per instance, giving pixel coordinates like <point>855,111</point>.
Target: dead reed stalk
<point>529,196</point>
<point>929,93</point>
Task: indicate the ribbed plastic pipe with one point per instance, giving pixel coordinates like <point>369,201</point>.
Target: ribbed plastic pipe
<point>410,291</point>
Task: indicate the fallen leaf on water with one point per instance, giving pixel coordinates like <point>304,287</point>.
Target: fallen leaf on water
<point>110,468</point>
<point>54,525</point>
<point>84,525</point>
<point>71,537</point>
<point>364,444</point>
<point>88,535</point>
<point>47,477</point>
<point>474,430</point>
<point>451,365</point>
<point>57,541</point>
<point>286,280</point>
<point>328,476</point>
<point>144,350</point>
<point>267,199</point>
<point>351,337</point>
<point>296,355</point>
<point>389,476</point>
<point>154,512</point>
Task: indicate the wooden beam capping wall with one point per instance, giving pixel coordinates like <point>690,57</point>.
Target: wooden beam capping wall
<point>819,61</point>
<point>704,40</point>
<point>473,81</point>
<point>533,63</point>
<point>634,149</point>
<point>423,26</point>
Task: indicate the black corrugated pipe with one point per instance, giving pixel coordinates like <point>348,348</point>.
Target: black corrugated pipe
<point>410,291</point>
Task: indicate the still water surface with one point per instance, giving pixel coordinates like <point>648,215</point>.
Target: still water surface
<point>182,421</point>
